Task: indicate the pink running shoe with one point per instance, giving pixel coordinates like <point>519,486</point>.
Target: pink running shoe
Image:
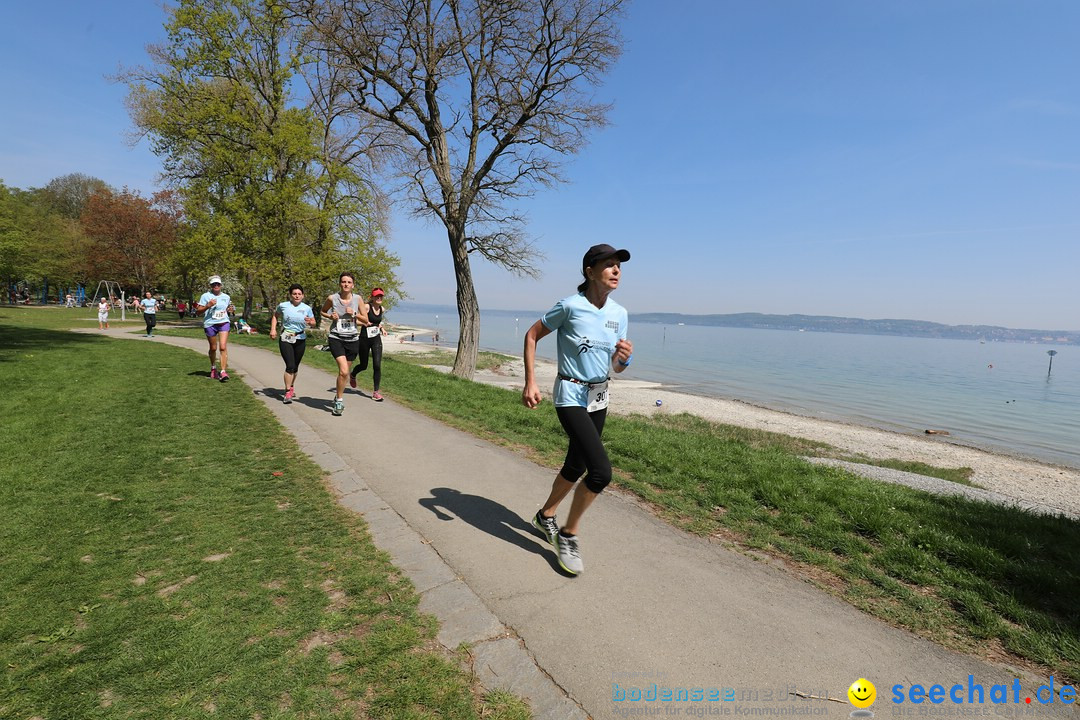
<point>214,373</point>
<point>223,376</point>
<point>289,396</point>
<point>376,396</point>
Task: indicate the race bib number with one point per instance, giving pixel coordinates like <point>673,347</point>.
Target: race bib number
<point>346,326</point>
<point>598,397</point>
<point>372,331</point>
<point>220,315</point>
<point>288,337</point>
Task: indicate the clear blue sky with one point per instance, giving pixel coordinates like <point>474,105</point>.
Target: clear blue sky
<point>893,158</point>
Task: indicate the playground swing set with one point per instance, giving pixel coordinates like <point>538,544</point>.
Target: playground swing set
<point>19,293</point>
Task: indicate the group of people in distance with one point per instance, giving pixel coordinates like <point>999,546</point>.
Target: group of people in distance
<point>354,324</point>
<point>355,331</point>
<point>148,305</point>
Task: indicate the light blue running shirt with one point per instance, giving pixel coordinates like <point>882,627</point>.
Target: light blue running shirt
<point>586,341</point>
<point>293,318</point>
<point>219,313</point>
<point>149,306</point>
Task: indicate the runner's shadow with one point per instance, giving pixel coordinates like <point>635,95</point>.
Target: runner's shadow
<point>316,403</point>
<point>489,516</point>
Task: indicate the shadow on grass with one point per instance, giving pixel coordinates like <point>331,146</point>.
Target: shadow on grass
<point>489,516</point>
<point>14,339</point>
<point>1023,564</point>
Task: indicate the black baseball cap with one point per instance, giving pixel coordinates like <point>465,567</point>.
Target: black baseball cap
<point>602,252</point>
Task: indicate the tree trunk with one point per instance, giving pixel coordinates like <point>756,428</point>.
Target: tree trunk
<point>249,298</point>
<point>468,307</point>
<point>268,302</point>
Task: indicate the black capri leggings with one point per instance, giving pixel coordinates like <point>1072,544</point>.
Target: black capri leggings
<point>151,321</point>
<point>292,354</point>
<point>586,451</point>
<point>375,345</point>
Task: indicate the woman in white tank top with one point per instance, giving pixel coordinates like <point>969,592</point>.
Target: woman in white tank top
<point>347,313</point>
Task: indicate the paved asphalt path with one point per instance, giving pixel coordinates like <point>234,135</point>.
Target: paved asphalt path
<point>655,605</point>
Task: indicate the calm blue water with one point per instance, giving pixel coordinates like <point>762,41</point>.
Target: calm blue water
<point>896,383</point>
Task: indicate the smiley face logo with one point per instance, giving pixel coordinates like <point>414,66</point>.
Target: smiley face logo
<point>862,693</point>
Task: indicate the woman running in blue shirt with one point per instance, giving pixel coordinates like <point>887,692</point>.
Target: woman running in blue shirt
<point>216,306</point>
<point>296,317</point>
<point>592,340</point>
<point>149,310</point>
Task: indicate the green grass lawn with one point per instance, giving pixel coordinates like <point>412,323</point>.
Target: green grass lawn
<point>970,575</point>
<point>160,559</point>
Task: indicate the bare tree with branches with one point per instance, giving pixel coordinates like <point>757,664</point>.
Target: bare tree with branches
<point>477,103</point>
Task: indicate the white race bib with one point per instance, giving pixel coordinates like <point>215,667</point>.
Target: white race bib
<point>220,315</point>
<point>598,397</point>
<point>288,336</point>
<point>346,326</point>
<point>372,331</point>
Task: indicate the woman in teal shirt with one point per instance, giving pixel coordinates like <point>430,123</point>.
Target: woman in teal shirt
<point>296,317</point>
<point>591,333</point>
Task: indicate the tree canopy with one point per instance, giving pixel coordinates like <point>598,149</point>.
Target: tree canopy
<point>131,236</point>
<point>475,103</point>
<point>252,156</point>
<point>38,239</point>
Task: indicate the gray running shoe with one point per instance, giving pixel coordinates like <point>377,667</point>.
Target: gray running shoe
<point>339,407</point>
<point>570,554</point>
<point>547,527</point>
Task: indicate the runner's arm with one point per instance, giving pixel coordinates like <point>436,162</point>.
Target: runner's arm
<point>530,396</point>
<point>620,360</point>
<point>326,306</point>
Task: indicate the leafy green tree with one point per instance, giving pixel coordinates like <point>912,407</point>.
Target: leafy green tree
<point>68,194</point>
<point>265,197</point>
<point>37,242</point>
<point>14,236</point>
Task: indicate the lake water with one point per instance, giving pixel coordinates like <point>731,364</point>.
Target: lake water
<point>996,396</point>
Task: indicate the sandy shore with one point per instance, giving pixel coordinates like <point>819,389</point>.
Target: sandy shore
<point>1026,481</point>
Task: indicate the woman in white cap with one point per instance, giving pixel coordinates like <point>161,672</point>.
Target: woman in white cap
<point>216,305</point>
<point>591,342</point>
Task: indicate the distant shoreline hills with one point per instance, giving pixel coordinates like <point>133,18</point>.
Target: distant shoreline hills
<point>815,323</point>
<point>858,326</point>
